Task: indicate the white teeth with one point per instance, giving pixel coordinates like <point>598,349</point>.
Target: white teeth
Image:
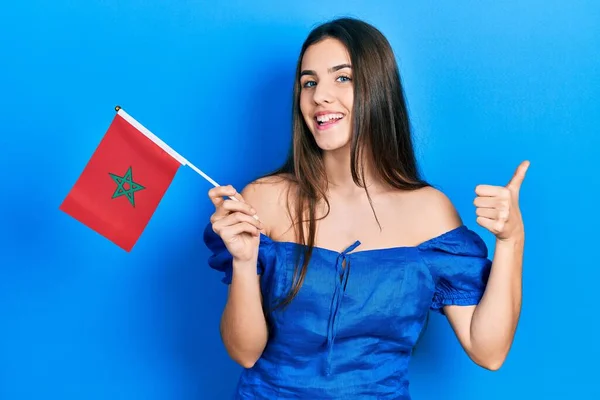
<point>327,117</point>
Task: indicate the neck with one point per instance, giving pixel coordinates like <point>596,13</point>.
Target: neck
<point>337,167</point>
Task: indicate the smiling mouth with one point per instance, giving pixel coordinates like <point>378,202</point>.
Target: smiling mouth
<point>327,120</point>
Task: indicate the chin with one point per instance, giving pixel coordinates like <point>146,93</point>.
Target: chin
<point>331,139</point>
<point>328,144</point>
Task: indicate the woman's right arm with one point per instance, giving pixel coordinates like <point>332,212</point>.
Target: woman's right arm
<point>243,325</point>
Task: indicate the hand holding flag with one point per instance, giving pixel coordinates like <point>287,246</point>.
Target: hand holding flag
<point>124,181</point>
<point>236,223</point>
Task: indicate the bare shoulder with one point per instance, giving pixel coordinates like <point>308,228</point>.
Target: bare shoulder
<point>265,192</point>
<point>269,197</point>
<point>435,212</point>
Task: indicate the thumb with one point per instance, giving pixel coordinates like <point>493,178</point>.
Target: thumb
<point>518,177</point>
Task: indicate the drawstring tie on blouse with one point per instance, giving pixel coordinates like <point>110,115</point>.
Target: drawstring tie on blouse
<point>342,267</point>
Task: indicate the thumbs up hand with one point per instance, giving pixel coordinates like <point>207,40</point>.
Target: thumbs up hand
<point>497,207</point>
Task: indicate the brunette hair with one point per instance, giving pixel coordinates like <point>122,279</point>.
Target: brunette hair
<point>380,127</point>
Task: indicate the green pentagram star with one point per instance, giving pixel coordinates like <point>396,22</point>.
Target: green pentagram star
<point>132,186</point>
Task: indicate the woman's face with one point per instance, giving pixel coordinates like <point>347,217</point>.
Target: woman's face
<point>326,93</point>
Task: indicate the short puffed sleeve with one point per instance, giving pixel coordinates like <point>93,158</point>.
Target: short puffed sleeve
<point>221,260</point>
<point>459,263</point>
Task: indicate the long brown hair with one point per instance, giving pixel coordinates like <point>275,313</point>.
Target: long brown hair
<point>380,126</point>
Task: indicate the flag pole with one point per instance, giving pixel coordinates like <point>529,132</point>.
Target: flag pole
<point>182,160</point>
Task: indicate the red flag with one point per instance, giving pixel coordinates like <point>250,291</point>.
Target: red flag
<point>123,183</point>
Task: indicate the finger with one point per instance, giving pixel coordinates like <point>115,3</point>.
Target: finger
<point>492,213</point>
<point>236,218</point>
<point>493,225</point>
<point>217,193</point>
<point>519,176</point>
<point>218,203</point>
<point>491,202</point>
<point>237,197</point>
<point>492,191</point>
<point>238,206</point>
<point>231,231</point>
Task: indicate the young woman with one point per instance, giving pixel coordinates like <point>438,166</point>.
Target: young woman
<point>334,261</point>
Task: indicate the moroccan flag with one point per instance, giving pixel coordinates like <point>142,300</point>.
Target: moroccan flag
<point>123,182</point>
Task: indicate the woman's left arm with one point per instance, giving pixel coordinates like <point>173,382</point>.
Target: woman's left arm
<point>486,331</point>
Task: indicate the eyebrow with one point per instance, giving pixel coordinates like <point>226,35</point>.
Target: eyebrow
<point>330,70</point>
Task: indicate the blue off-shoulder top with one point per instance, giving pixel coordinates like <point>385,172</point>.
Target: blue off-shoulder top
<point>350,331</point>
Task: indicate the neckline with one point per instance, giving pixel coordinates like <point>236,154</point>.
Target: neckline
<point>367,251</point>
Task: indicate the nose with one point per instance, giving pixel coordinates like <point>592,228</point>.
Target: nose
<point>323,93</point>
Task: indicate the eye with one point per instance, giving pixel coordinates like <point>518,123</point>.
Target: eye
<point>344,78</point>
<point>308,84</point>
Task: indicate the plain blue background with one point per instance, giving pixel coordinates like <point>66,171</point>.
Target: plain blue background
<point>488,85</point>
